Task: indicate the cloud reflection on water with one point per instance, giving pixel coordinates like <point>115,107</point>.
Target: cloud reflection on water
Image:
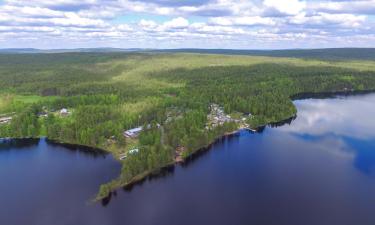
<point>342,126</point>
<point>349,117</point>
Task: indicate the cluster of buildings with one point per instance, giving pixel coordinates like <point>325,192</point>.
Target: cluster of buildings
<point>218,117</point>
<point>172,114</point>
<point>134,133</point>
<point>7,119</point>
<point>62,112</point>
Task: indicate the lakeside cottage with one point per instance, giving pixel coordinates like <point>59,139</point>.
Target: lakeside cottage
<point>42,114</point>
<point>133,133</point>
<point>131,152</point>
<point>4,120</point>
<point>64,112</point>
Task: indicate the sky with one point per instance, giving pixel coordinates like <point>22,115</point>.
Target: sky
<point>234,24</point>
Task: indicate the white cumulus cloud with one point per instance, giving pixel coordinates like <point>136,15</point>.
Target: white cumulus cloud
<point>290,7</point>
<point>190,23</point>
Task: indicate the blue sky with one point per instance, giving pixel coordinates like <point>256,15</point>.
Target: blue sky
<point>239,24</point>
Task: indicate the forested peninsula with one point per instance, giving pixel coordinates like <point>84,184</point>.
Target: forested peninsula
<point>152,109</point>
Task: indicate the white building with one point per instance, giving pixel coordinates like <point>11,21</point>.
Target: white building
<point>132,133</point>
<point>133,151</point>
<point>5,120</point>
<point>64,112</point>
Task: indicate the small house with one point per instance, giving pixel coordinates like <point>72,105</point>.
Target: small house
<point>132,133</point>
<point>134,151</point>
<point>4,120</point>
<point>64,112</point>
<point>131,152</point>
<point>42,114</point>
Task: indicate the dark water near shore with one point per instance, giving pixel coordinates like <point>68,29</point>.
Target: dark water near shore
<point>319,170</point>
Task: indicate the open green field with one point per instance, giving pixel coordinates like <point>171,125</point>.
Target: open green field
<point>11,102</point>
<point>108,93</point>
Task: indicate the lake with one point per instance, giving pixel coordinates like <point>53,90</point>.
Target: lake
<point>317,170</point>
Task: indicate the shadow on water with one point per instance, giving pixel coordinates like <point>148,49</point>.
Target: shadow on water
<point>89,151</point>
<point>282,123</point>
<point>288,121</point>
<point>19,144</point>
<point>203,151</point>
<point>107,200</point>
<point>156,175</point>
<point>26,143</point>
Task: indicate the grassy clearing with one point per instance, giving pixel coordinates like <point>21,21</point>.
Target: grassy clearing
<point>29,99</point>
<point>11,103</point>
<point>4,102</point>
<point>139,106</point>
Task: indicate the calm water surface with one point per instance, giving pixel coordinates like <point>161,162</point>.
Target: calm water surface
<point>318,170</point>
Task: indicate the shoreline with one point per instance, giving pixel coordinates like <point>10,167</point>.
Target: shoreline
<point>116,184</point>
<point>146,174</point>
<point>328,94</point>
<point>306,95</point>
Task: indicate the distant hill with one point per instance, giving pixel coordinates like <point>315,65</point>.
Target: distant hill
<point>95,50</point>
<point>19,50</point>
<point>328,54</point>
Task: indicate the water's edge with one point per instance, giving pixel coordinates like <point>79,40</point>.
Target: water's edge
<point>146,174</point>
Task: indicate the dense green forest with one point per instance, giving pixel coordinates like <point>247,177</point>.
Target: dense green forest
<point>168,94</point>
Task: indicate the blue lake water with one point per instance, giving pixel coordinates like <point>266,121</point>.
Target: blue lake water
<point>317,170</point>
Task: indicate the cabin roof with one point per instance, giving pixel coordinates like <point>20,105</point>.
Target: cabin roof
<point>135,130</point>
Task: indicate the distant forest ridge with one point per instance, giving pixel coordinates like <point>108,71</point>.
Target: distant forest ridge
<point>328,53</point>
